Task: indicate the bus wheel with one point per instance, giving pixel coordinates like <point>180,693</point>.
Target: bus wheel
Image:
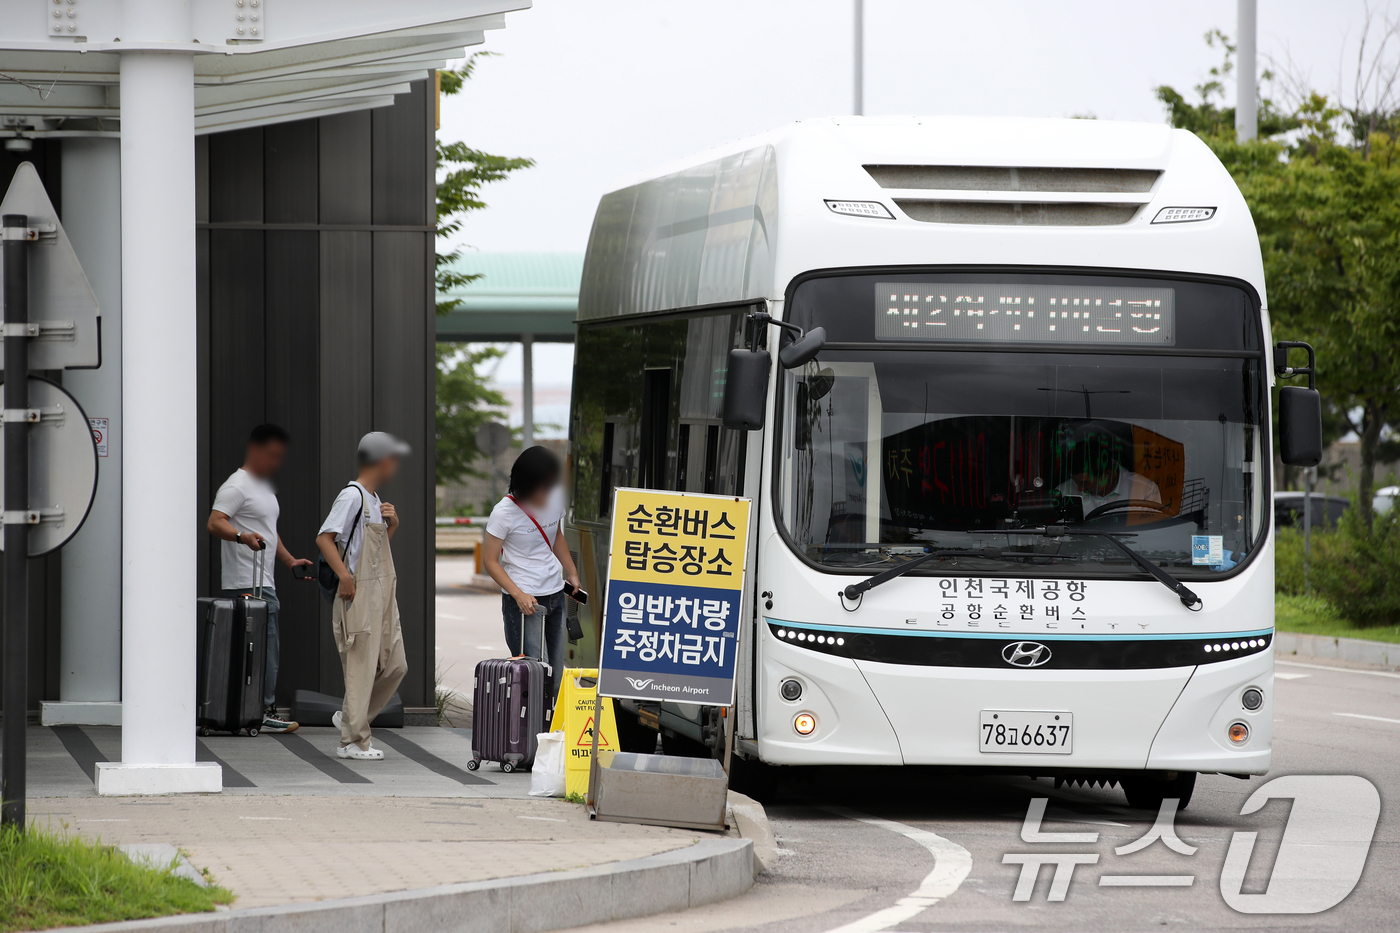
<point>632,736</point>
<point>683,746</point>
<point>1146,792</point>
<point>751,777</point>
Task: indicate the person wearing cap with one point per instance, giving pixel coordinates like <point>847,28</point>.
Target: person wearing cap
<point>354,539</point>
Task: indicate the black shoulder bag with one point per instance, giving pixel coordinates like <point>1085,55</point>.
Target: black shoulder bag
<point>326,576</point>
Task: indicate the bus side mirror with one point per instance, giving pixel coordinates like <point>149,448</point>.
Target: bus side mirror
<point>1300,426</point>
<point>746,389</point>
<point>804,349</point>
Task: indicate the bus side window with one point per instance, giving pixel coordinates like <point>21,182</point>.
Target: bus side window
<point>606,487</point>
<point>711,457</point>
<point>656,423</point>
<point>682,457</point>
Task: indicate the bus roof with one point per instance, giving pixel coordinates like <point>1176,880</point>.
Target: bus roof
<point>741,221</point>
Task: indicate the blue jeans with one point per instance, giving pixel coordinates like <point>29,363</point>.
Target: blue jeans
<point>274,642</point>
<point>555,634</point>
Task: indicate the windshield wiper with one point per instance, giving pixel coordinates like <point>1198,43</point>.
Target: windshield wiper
<point>856,589</point>
<point>1187,596</point>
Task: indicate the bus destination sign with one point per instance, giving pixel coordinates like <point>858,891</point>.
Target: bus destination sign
<point>1049,314</point>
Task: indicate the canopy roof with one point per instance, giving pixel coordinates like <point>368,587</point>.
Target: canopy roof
<point>257,61</point>
<point>518,293</point>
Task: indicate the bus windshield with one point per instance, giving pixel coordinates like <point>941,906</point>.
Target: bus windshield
<point>887,450</point>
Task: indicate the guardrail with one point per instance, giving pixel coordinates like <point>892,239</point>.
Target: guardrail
<point>464,520</point>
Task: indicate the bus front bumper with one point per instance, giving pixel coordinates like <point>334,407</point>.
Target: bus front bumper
<point>866,712</point>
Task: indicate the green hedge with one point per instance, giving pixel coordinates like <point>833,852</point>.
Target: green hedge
<point>1355,570</point>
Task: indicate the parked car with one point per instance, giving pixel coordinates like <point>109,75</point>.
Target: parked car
<point>1384,499</point>
<point>1326,510</point>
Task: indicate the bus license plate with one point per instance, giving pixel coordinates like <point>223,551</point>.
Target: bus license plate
<point>1026,732</point>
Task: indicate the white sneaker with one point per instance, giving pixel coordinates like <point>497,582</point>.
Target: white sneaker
<point>336,718</point>
<point>359,754</point>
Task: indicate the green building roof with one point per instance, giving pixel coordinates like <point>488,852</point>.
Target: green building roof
<point>517,294</point>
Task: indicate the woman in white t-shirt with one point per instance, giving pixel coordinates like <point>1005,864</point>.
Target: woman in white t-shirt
<point>529,559</point>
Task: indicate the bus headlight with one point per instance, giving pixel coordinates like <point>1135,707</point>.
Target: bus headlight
<point>1238,733</point>
<point>791,690</point>
<point>804,723</point>
<point>1252,699</point>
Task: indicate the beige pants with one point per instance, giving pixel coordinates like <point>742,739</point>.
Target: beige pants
<point>368,636</point>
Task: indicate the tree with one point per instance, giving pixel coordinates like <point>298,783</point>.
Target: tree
<point>464,403</point>
<point>1210,121</point>
<point>1323,184</point>
<point>459,192</point>
<point>464,399</point>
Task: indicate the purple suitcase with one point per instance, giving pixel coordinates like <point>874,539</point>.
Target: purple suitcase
<point>508,712</point>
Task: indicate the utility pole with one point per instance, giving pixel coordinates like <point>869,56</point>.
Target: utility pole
<point>15,241</point>
<point>1246,72</point>
<point>859,82</point>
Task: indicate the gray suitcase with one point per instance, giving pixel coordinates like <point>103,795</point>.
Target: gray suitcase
<point>232,662</point>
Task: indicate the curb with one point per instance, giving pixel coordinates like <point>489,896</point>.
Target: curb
<point>750,820</point>
<point>709,871</point>
<point>1350,650</point>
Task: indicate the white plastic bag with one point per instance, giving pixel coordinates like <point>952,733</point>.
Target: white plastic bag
<point>547,776</point>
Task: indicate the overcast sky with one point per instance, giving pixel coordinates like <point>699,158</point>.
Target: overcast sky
<point>597,91</point>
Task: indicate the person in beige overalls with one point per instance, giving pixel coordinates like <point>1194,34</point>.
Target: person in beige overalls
<point>355,543</point>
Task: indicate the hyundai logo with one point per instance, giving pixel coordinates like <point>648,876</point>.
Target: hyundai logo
<point>1025,654</point>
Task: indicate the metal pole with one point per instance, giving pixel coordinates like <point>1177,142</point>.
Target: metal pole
<point>1307,526</point>
<point>1246,104</point>
<point>859,88</point>
<point>16,612</point>
<point>527,391</point>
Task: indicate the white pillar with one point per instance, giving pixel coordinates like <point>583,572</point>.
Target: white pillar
<point>527,390</point>
<point>1246,102</point>
<point>159,493</point>
<point>91,639</point>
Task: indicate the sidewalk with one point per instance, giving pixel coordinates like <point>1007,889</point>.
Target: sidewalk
<point>290,849</point>
<point>297,824</point>
<point>418,762</point>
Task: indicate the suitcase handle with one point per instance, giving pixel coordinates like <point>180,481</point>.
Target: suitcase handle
<point>544,648</point>
<point>260,574</point>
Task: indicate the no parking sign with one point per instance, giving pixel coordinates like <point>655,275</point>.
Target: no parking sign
<point>675,586</point>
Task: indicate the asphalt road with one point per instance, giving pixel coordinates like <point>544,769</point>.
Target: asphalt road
<point>905,849</point>
<point>916,849</point>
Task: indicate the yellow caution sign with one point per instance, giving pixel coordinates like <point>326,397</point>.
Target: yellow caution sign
<point>574,713</point>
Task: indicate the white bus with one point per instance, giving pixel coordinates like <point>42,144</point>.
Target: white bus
<point>1015,512</point>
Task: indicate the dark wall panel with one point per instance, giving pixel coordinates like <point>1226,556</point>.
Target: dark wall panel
<point>237,378</point>
<point>201,180</point>
<point>402,409</point>
<point>347,383</point>
<point>345,168</point>
<point>328,332</point>
<point>290,170</point>
<point>207,556</point>
<point>293,390</point>
<point>399,169</point>
<point>236,177</point>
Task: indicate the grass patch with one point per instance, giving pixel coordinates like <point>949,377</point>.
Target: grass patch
<point>1311,615</point>
<point>50,879</point>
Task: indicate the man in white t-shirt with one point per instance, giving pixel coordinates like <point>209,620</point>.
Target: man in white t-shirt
<point>244,519</point>
<point>354,540</point>
<point>529,559</point>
